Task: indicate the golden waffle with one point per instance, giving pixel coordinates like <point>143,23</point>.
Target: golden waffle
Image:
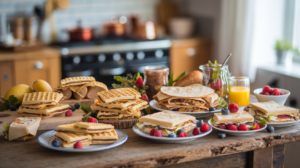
<point>94,127</point>
<point>118,94</point>
<point>45,112</point>
<point>119,104</point>
<point>38,98</point>
<point>68,139</point>
<point>79,80</point>
<point>105,137</point>
<point>98,84</point>
<point>70,128</point>
<point>124,106</point>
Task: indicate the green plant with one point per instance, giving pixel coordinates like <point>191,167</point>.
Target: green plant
<point>283,45</point>
<point>171,81</point>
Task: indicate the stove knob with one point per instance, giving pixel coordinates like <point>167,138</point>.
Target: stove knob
<point>140,55</point>
<point>76,60</point>
<point>116,57</point>
<point>159,53</point>
<point>129,56</point>
<point>101,58</point>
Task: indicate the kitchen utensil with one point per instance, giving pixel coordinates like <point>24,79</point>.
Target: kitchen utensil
<point>227,58</point>
<point>40,13</point>
<point>18,28</point>
<point>80,33</point>
<point>28,31</point>
<point>181,27</point>
<point>114,28</point>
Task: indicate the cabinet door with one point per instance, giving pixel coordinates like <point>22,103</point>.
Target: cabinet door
<point>6,77</point>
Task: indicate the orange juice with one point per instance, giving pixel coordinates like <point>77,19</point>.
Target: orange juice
<point>239,95</point>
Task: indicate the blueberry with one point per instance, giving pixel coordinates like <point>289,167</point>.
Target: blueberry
<point>172,135</point>
<point>179,131</point>
<point>221,135</point>
<point>270,128</point>
<point>200,123</point>
<point>158,127</point>
<point>56,143</point>
<point>12,108</point>
<point>18,105</point>
<point>77,105</point>
<point>225,111</point>
<point>72,108</point>
<point>212,109</point>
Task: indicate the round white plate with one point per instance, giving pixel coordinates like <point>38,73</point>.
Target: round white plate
<point>190,136</point>
<point>237,133</point>
<point>154,104</point>
<point>283,124</point>
<point>46,139</point>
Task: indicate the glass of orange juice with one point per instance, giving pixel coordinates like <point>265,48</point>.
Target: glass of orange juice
<point>239,90</point>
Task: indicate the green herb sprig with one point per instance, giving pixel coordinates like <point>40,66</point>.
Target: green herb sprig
<point>171,81</point>
<point>4,104</point>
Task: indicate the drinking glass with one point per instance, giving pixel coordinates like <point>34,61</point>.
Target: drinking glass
<point>239,90</point>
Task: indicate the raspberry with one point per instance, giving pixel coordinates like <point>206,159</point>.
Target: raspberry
<point>196,131</point>
<point>204,128</point>
<point>222,127</point>
<point>217,84</point>
<point>276,92</point>
<point>183,134</point>
<point>261,93</point>
<point>78,145</point>
<point>158,133</point>
<point>267,89</point>
<point>281,93</point>
<point>255,127</point>
<point>152,132</point>
<point>139,82</point>
<point>229,125</point>
<point>267,93</point>
<point>243,127</point>
<point>92,120</point>
<point>233,128</point>
<point>145,97</point>
<point>233,107</point>
<point>69,113</point>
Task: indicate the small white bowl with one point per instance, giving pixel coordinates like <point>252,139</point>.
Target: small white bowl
<point>280,99</point>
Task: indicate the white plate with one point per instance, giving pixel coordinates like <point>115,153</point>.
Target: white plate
<point>237,133</point>
<point>190,136</point>
<point>154,104</point>
<point>283,124</point>
<point>46,139</point>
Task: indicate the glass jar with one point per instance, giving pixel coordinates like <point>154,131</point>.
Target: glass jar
<point>216,77</point>
<point>239,90</point>
<point>155,77</point>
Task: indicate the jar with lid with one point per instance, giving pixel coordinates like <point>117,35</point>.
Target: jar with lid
<point>154,78</point>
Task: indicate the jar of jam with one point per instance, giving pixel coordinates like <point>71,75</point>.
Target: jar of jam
<point>155,77</point>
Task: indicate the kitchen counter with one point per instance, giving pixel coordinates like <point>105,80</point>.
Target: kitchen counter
<point>262,149</point>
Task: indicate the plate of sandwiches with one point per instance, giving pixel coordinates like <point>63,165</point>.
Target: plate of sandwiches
<point>193,100</point>
<point>222,123</point>
<point>119,104</point>
<point>42,104</point>
<point>169,122</point>
<point>93,137</point>
<point>275,114</point>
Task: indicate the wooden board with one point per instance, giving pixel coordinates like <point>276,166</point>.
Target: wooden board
<point>86,102</point>
<point>22,48</point>
<point>121,124</point>
<point>47,123</point>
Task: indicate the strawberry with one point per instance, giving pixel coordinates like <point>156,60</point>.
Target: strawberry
<point>254,127</point>
<point>267,89</point>
<point>276,92</point>
<point>139,82</point>
<point>233,128</point>
<point>145,97</point>
<point>233,108</point>
<point>158,133</point>
<point>78,145</point>
<point>222,126</point>
<point>243,127</point>
<point>152,132</point>
<point>69,113</point>
<point>196,131</point>
<point>92,120</point>
<point>182,134</point>
<point>205,127</point>
<point>229,125</point>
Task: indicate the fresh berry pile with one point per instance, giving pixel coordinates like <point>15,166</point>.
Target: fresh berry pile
<point>267,90</point>
<point>242,127</point>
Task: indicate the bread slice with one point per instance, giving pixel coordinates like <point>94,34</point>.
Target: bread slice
<point>238,117</point>
<point>166,133</point>
<point>37,98</point>
<point>70,128</point>
<point>73,137</point>
<point>118,94</point>
<point>123,106</point>
<point>94,127</point>
<point>273,108</point>
<point>105,137</point>
<point>46,111</point>
<point>167,119</point>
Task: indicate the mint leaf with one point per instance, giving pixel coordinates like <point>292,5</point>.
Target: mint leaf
<point>262,122</point>
<point>171,80</point>
<point>3,107</point>
<point>137,76</point>
<point>181,75</point>
<point>118,78</point>
<point>147,110</point>
<point>210,64</point>
<point>12,100</point>
<point>84,109</point>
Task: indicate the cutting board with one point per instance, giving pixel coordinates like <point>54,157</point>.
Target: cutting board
<point>47,123</point>
<point>86,102</point>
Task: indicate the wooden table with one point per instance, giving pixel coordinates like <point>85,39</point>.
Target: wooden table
<point>262,149</point>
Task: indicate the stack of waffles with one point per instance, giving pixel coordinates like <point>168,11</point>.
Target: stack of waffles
<point>119,104</point>
<point>42,104</point>
<point>86,133</point>
<point>81,87</point>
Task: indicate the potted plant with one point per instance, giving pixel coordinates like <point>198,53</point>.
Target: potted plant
<point>283,47</point>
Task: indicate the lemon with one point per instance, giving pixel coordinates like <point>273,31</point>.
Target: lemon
<point>18,91</point>
<point>41,86</point>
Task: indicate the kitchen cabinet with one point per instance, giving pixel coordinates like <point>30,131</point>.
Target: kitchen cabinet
<point>26,67</point>
<point>188,54</point>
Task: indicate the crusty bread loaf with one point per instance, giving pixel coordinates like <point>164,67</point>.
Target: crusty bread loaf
<point>194,77</point>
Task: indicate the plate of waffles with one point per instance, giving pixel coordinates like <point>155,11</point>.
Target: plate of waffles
<point>93,137</point>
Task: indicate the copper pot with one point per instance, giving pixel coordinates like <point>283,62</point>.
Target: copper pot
<point>114,29</point>
<point>80,34</point>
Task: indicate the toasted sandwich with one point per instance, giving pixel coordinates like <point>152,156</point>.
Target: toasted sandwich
<point>70,128</point>
<point>75,81</point>
<point>45,112</point>
<point>137,105</point>
<point>272,112</point>
<point>22,128</point>
<point>168,121</point>
<point>118,94</point>
<point>41,99</point>
<point>94,127</point>
<point>105,137</point>
<point>240,117</point>
<point>68,139</point>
